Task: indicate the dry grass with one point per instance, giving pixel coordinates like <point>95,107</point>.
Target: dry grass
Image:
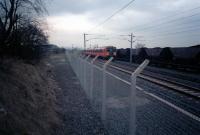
<point>27,99</point>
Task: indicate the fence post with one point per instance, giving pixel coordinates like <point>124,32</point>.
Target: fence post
<point>81,71</point>
<point>103,113</point>
<point>92,78</point>
<point>84,72</point>
<point>69,57</point>
<point>79,67</point>
<point>75,64</point>
<point>132,125</point>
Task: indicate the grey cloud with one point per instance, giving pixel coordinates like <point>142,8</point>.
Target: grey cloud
<point>126,23</point>
<point>81,6</point>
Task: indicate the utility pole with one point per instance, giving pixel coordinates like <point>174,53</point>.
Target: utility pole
<point>72,46</point>
<point>84,41</point>
<point>131,48</point>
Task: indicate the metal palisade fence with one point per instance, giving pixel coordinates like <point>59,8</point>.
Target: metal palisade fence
<point>111,96</point>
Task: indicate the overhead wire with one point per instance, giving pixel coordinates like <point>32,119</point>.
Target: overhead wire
<point>160,24</point>
<point>114,14</point>
<point>166,17</point>
<point>179,43</point>
<point>181,30</point>
<point>168,22</point>
<point>161,32</point>
<point>176,32</point>
<point>179,26</point>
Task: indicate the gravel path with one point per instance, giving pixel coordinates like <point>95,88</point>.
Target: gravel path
<point>75,110</point>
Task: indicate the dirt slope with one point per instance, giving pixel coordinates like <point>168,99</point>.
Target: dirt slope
<point>27,99</point>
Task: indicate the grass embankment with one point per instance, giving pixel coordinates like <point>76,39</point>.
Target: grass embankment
<point>27,98</point>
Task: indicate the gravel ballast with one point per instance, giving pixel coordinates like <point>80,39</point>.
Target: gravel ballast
<point>75,109</point>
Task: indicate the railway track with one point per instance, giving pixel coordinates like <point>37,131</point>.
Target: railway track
<point>176,86</point>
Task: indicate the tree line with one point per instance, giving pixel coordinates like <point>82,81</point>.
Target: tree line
<point>21,30</point>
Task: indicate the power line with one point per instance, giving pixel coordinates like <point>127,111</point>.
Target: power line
<point>152,40</point>
<point>168,22</point>
<point>177,32</point>
<point>179,26</point>
<point>180,33</point>
<point>174,44</point>
<point>169,30</point>
<point>169,16</point>
<point>115,13</point>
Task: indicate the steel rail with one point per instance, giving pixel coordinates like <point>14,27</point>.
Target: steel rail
<point>181,84</point>
<point>181,88</point>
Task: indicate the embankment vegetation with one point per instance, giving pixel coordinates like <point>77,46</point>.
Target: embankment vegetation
<point>22,27</point>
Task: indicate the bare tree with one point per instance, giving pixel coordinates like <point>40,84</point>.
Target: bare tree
<point>32,34</point>
<point>14,13</point>
<point>20,28</point>
<point>139,45</point>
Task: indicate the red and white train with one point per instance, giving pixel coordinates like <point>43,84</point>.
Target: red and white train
<point>103,52</point>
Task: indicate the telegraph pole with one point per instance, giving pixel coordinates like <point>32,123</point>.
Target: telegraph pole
<point>72,46</point>
<point>84,41</point>
<point>131,48</point>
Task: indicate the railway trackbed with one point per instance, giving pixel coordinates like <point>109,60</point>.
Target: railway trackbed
<point>176,86</point>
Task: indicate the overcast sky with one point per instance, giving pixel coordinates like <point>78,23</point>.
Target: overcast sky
<point>156,23</point>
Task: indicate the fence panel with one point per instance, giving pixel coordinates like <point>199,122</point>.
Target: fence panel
<point>87,78</point>
<point>129,113</point>
<point>117,105</point>
<point>97,89</point>
<point>109,95</point>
